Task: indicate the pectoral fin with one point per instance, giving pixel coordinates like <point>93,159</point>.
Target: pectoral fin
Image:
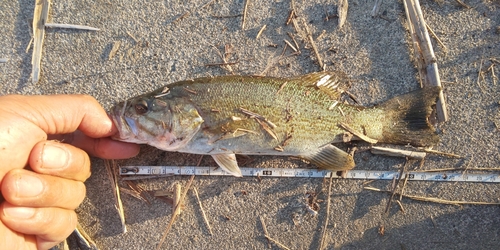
<point>330,157</point>
<point>228,163</point>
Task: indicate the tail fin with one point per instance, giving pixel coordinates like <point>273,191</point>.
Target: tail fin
<point>408,115</point>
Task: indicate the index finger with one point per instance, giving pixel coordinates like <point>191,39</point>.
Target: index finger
<point>62,114</point>
<point>26,120</point>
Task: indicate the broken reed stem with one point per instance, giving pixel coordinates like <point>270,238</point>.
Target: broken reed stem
<point>269,238</point>
<point>174,215</point>
<point>342,10</point>
<point>322,245</point>
<point>195,190</point>
<point>110,167</point>
<point>435,200</point>
<point>313,45</point>
<point>40,16</point>
<point>71,26</point>
<point>177,198</point>
<point>397,152</point>
<point>426,60</point>
<point>3,60</point>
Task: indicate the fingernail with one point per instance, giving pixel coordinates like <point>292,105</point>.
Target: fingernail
<point>28,186</point>
<point>19,212</point>
<point>54,156</point>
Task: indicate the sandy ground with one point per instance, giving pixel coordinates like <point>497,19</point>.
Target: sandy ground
<point>374,52</point>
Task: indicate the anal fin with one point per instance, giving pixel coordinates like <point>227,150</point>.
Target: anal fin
<point>228,163</point>
<point>330,157</point>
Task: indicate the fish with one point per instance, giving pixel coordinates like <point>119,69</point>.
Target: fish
<point>301,116</point>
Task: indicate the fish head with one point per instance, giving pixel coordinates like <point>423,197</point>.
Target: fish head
<point>167,123</point>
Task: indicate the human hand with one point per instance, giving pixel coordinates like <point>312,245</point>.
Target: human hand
<point>42,180</point>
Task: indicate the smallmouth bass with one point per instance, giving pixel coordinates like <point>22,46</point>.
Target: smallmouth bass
<point>299,116</point>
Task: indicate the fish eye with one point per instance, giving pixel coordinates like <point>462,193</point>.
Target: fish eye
<point>141,107</point>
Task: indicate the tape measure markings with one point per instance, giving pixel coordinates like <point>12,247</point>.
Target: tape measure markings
<point>311,173</point>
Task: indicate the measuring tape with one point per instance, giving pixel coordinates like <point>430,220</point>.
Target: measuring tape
<point>310,173</point>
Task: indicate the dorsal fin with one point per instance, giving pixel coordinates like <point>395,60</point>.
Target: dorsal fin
<point>332,83</point>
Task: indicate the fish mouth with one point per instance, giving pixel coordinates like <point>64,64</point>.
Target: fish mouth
<point>127,127</point>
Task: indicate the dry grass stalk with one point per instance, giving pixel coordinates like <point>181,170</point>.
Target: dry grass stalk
<point>83,238</point>
<point>424,53</point>
<point>342,10</point>
<point>134,194</point>
<point>403,187</point>
<point>269,238</point>
<point>114,50</point>
<point>356,133</point>
<point>260,31</point>
<point>376,8</point>
<point>493,76</point>
<point>431,151</point>
<point>195,190</point>
<point>131,36</point>
<point>208,3</point>
<point>273,61</point>
<point>70,26</point>
<point>40,16</point>
<point>436,200</point>
<point>433,222</point>
<point>397,152</point>
<point>400,206</point>
<point>463,4</point>
<point>313,44</point>
<point>290,45</point>
<point>323,242</point>
<point>174,215</point>
<point>220,64</point>
<point>244,18</point>
<point>257,116</point>
<point>265,231</point>
<point>139,190</point>
<point>224,57</point>
<point>111,170</point>
<point>65,245</point>
<point>480,74</point>
<point>395,185</point>
<point>187,13</point>
<point>437,38</point>
<point>29,44</point>
<point>267,128</point>
<point>294,41</point>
